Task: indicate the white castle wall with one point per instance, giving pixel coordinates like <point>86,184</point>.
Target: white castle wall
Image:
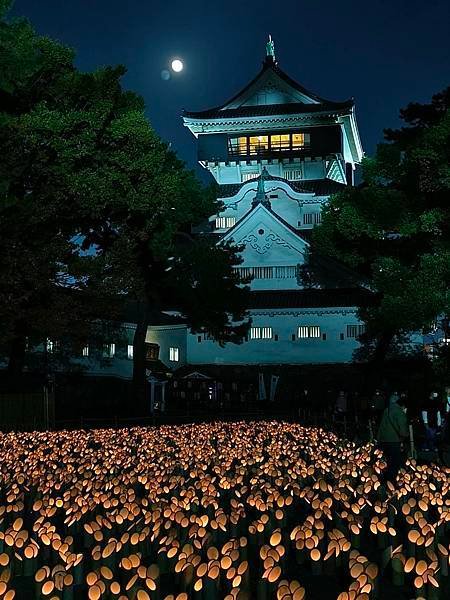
<point>332,322</point>
<point>167,336</point>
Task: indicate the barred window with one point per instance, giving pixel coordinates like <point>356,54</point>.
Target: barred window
<point>174,354</point>
<point>225,222</point>
<point>109,350</point>
<point>261,333</point>
<point>307,219</point>
<point>85,351</point>
<point>51,345</point>
<point>317,218</point>
<point>354,331</point>
<point>308,331</point>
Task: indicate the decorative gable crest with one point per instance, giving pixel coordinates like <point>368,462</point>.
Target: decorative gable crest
<point>264,242</point>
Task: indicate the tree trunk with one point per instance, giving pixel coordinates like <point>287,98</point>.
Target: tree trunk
<point>142,403</point>
<point>376,364</point>
<point>16,356</point>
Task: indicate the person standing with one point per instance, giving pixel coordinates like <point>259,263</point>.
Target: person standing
<point>392,433</point>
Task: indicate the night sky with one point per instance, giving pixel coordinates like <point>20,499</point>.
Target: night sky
<point>384,53</point>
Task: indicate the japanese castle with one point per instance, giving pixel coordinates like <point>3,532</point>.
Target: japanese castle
<point>277,151</point>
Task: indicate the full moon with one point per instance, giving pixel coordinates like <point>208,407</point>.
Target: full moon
<point>177,65</point>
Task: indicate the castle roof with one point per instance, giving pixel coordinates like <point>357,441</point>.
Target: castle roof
<point>318,187</point>
<point>296,98</point>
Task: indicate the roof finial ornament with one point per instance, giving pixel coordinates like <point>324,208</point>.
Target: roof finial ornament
<point>270,50</point>
<point>261,197</point>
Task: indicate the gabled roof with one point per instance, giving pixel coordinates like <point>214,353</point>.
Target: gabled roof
<point>273,216</point>
<point>300,99</point>
<point>318,187</point>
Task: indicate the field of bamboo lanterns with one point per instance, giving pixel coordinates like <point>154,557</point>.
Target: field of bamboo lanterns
<point>249,511</point>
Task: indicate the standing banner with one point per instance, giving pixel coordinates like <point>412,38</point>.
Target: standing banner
<point>273,386</point>
<point>261,387</point>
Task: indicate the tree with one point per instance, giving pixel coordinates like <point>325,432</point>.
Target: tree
<point>38,228</point>
<point>92,199</point>
<point>393,229</point>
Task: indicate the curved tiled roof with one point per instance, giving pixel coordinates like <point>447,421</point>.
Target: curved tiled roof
<point>320,104</point>
<point>264,110</point>
<point>318,187</point>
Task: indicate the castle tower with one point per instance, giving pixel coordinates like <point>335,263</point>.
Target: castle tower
<point>278,151</point>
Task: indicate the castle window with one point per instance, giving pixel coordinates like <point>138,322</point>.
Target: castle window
<point>280,142</point>
<point>300,140</point>
<point>109,350</point>
<point>308,331</point>
<point>261,333</point>
<point>225,222</point>
<point>130,351</point>
<point>308,219</point>
<point>51,345</point>
<point>258,144</point>
<point>174,354</point>
<point>317,218</point>
<point>354,331</point>
<point>237,145</point>
<point>85,351</point>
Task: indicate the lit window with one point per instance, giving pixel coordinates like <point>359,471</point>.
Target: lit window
<point>261,333</point>
<point>354,331</point>
<point>258,144</point>
<point>300,140</point>
<point>280,142</point>
<point>50,346</point>
<point>130,351</point>
<point>225,222</point>
<point>109,350</point>
<point>237,145</point>
<point>85,351</point>
<point>174,354</point>
<point>308,219</point>
<point>308,331</point>
<point>266,333</point>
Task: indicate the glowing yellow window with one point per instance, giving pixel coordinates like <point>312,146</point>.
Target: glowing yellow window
<point>280,142</point>
<point>298,140</point>
<point>242,145</point>
<point>258,143</point>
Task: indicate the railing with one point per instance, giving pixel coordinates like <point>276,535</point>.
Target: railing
<point>274,153</point>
